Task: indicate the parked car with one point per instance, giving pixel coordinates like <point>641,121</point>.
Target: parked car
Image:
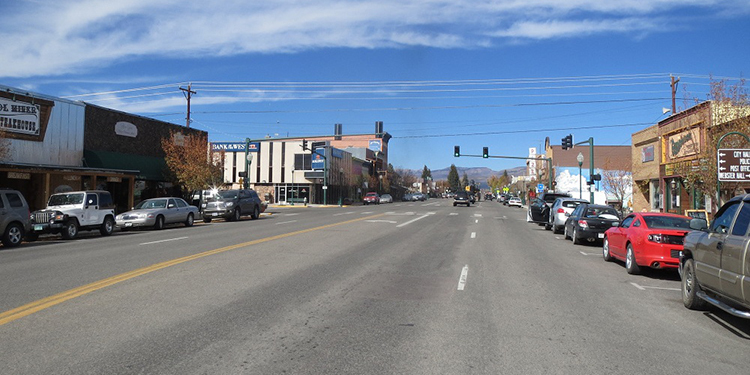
<point>406,198</point>
<point>515,201</point>
<point>646,240</point>
<point>714,260</point>
<point>158,212</point>
<point>461,197</point>
<point>70,212</point>
<point>418,197</point>
<point>559,212</point>
<point>539,207</point>
<point>589,222</point>
<point>232,205</point>
<point>14,217</point>
<point>386,198</point>
<point>371,198</point>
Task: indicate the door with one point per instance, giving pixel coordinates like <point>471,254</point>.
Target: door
<point>538,208</point>
<point>708,257</point>
<point>732,256</point>
<point>91,210</point>
<point>173,212</point>
<point>618,237</point>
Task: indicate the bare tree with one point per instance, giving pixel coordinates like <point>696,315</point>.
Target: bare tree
<point>617,180</point>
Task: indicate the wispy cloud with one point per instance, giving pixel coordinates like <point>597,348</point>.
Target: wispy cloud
<point>68,36</point>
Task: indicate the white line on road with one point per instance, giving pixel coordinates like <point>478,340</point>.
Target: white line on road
<point>171,239</point>
<point>287,222</point>
<point>366,212</point>
<point>462,279</point>
<point>412,220</point>
<point>477,215</point>
<point>476,221</point>
<point>473,234</point>
<point>294,214</point>
<point>641,287</point>
<point>343,213</point>
<point>582,253</point>
<point>453,214</point>
<point>381,221</point>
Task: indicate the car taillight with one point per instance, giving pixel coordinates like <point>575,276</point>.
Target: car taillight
<point>560,211</point>
<point>583,224</point>
<point>658,238</point>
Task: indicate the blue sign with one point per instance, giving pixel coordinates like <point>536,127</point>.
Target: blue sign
<point>318,159</point>
<point>540,188</point>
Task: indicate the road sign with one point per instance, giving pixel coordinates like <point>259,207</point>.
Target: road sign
<point>540,188</point>
<point>733,164</point>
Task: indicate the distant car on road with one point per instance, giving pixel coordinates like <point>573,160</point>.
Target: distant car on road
<point>158,212</point>
<point>647,240</point>
<point>386,198</point>
<point>461,197</point>
<point>371,198</point>
<point>515,201</point>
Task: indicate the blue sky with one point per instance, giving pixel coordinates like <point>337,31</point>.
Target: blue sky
<point>504,74</point>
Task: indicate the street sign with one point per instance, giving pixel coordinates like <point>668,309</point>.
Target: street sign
<point>733,164</point>
<point>540,188</point>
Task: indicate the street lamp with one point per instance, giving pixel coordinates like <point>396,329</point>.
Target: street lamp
<point>248,160</point>
<point>341,185</point>
<point>580,173</point>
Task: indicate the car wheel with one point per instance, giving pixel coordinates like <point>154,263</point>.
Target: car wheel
<point>255,214</point>
<point>159,223</point>
<point>576,240</point>
<point>565,232</point>
<point>556,229</point>
<point>630,265</point>
<point>454,204</point>
<point>190,220</point>
<point>206,219</point>
<point>13,235</point>
<point>70,229</point>
<point>108,226</point>
<point>547,227</point>
<point>691,287</point>
<point>605,250</point>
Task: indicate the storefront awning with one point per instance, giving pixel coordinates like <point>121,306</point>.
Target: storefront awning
<point>148,167</point>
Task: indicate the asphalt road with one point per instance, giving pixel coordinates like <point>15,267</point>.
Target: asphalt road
<point>403,288</point>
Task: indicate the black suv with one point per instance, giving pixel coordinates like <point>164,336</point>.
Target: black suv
<point>232,204</point>
<point>461,197</point>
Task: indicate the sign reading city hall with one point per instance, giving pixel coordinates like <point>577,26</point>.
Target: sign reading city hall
<point>733,164</point>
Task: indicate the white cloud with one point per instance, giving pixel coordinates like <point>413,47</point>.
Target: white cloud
<point>68,36</point>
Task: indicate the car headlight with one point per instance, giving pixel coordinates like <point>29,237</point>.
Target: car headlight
<point>230,204</point>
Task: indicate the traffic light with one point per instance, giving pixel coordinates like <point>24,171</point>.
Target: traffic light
<point>456,151</point>
<point>485,152</point>
<point>304,144</point>
<point>567,142</point>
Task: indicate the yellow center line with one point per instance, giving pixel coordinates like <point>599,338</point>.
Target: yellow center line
<point>44,303</point>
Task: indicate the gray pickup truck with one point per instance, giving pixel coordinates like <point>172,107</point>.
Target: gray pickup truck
<point>715,262</point>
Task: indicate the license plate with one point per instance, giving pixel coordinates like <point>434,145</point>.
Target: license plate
<point>128,224</point>
<point>215,214</point>
<point>601,235</point>
<point>38,227</point>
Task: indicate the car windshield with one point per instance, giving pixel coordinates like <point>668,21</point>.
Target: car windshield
<point>151,203</point>
<point>594,212</point>
<point>666,222</point>
<point>63,199</point>
<point>570,204</point>
<point>228,194</point>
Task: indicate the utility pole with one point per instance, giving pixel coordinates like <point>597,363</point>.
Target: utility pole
<point>673,84</point>
<point>188,94</point>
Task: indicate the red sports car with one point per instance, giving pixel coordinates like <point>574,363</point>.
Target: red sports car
<point>371,198</point>
<point>646,240</point>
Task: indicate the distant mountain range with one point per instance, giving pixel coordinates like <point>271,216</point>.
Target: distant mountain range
<point>478,174</point>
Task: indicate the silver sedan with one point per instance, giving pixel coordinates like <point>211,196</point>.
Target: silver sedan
<point>158,212</point>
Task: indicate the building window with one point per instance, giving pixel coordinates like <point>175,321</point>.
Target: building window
<point>656,197</point>
<point>234,167</point>
<point>270,162</point>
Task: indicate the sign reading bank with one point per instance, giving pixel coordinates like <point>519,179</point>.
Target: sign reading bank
<point>234,146</point>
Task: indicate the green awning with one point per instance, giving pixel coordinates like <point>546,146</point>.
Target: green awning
<point>149,167</point>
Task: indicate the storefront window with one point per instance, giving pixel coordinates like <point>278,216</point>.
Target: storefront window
<point>655,195</point>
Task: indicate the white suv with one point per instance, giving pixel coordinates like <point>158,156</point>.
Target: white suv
<point>14,217</point>
<point>68,213</point>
